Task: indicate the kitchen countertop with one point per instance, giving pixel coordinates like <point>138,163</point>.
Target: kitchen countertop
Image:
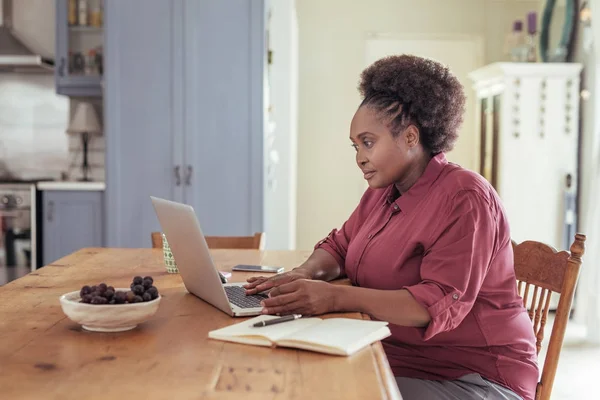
<point>71,185</point>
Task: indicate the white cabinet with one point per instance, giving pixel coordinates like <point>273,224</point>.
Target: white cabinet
<point>528,120</point>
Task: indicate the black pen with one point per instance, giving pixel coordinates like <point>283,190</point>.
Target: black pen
<point>277,320</point>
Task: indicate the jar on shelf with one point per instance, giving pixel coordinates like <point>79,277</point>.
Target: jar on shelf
<point>96,13</point>
<point>72,12</point>
<point>90,63</point>
<point>83,13</point>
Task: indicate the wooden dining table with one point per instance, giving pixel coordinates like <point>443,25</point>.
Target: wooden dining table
<point>45,355</point>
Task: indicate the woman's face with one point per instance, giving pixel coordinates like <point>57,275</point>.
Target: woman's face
<point>384,159</point>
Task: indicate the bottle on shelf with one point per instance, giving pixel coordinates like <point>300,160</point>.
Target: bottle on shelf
<point>515,45</point>
<point>532,37</point>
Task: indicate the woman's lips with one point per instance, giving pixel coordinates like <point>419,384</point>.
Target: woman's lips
<point>368,175</point>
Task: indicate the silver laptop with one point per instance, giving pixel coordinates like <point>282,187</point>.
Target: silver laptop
<point>196,267</point>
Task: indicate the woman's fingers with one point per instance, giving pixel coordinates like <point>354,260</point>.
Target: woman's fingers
<point>251,286</point>
<point>296,307</point>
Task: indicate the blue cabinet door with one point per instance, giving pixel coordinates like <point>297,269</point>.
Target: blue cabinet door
<point>225,52</point>
<point>183,114</point>
<point>142,115</point>
<point>79,51</point>
<point>71,221</point>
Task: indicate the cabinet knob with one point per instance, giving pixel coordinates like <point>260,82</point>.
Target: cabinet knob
<point>188,175</point>
<point>177,176</point>
<point>61,67</point>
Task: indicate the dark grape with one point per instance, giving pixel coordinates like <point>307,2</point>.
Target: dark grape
<point>149,278</point>
<point>129,296</point>
<point>137,299</point>
<point>147,296</point>
<point>102,288</point>
<point>99,300</point>
<point>112,301</point>
<point>137,280</point>
<point>111,288</point>
<point>109,294</point>
<point>147,283</point>
<point>153,292</point>
<point>120,297</point>
<point>86,298</point>
<point>93,289</point>
<point>138,289</point>
<point>85,290</point>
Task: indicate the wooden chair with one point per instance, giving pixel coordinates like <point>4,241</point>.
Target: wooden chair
<point>541,270</point>
<point>257,241</point>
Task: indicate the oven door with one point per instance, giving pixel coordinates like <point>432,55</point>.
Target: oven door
<point>16,229</point>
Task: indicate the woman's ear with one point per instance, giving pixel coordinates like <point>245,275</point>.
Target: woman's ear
<point>411,136</point>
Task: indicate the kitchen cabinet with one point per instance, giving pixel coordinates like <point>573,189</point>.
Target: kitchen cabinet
<point>528,117</point>
<point>71,220</point>
<point>184,114</point>
<point>79,47</point>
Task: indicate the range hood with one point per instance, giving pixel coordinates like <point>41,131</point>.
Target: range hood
<point>14,55</point>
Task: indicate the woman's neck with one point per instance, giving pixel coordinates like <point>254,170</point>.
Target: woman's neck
<point>414,173</point>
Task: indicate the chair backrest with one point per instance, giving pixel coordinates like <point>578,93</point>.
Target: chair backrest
<point>540,271</point>
<point>257,241</point>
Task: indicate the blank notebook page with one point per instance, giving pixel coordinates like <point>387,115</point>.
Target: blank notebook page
<point>338,332</point>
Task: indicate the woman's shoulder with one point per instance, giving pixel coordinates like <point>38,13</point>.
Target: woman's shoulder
<point>458,180</point>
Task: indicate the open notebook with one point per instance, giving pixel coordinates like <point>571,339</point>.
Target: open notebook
<point>338,336</point>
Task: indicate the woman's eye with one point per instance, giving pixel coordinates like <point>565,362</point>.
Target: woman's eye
<point>368,143</point>
<point>355,146</point>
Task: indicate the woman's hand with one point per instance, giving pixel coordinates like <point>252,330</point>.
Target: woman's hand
<point>301,296</point>
<point>261,283</point>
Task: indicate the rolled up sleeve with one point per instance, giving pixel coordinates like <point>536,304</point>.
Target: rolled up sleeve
<point>455,266</point>
<point>336,243</point>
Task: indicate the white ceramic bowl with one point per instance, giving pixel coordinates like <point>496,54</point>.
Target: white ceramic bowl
<point>107,317</point>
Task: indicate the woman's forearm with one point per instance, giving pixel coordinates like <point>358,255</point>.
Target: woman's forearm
<point>398,307</point>
<point>321,266</point>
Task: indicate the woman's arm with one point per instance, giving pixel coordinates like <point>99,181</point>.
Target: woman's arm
<point>309,297</point>
<point>321,265</point>
<point>395,306</point>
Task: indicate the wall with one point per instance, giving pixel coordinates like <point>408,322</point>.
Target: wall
<point>33,120</point>
<point>587,301</point>
<point>331,56</point>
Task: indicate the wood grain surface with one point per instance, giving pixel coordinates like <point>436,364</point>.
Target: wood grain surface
<point>44,355</point>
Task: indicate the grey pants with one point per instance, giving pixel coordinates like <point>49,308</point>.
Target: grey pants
<point>468,387</point>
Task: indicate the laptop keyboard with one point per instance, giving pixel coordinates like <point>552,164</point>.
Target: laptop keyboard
<point>237,296</point>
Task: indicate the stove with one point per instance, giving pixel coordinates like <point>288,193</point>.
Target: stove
<point>18,223</point>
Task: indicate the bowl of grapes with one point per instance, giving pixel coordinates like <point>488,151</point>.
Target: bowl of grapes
<point>103,308</point>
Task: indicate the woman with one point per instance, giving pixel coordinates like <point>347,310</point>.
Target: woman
<point>427,249</point>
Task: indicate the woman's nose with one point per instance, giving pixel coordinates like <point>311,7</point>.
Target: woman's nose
<point>360,159</point>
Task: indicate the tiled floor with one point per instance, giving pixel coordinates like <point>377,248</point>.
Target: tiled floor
<point>578,374</point>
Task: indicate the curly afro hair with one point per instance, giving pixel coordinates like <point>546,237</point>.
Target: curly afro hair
<point>406,90</point>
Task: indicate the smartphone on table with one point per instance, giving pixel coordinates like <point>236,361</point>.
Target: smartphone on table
<point>258,268</point>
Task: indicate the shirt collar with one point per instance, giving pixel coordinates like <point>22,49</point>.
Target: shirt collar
<point>409,200</point>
